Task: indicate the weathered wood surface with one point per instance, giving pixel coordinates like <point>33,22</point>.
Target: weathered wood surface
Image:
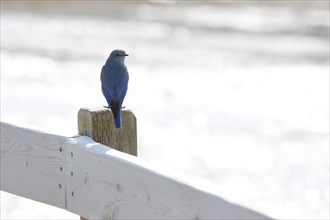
<point>108,184</point>
<point>32,164</point>
<point>98,182</point>
<point>99,126</point>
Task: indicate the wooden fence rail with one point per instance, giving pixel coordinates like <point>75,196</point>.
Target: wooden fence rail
<point>98,182</point>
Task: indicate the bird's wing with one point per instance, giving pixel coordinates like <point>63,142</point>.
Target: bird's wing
<point>108,95</point>
<point>114,86</point>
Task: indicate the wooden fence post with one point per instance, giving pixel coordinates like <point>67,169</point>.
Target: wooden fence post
<point>100,127</point>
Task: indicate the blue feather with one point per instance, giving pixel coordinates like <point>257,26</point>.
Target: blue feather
<point>114,79</point>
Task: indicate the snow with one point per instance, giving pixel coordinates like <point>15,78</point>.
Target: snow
<point>239,93</point>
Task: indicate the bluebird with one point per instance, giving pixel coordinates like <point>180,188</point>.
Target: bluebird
<point>114,80</point>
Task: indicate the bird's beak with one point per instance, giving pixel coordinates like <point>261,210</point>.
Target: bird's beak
<point>126,55</point>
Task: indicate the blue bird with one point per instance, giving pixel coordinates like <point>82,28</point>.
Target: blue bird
<point>114,80</point>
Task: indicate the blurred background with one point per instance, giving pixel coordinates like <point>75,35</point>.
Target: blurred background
<point>232,92</point>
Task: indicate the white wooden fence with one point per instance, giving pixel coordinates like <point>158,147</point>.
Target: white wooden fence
<point>98,182</point>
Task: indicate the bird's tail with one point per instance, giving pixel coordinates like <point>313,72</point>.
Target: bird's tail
<point>117,121</point>
<point>115,108</point>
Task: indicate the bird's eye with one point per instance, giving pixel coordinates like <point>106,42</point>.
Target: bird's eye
<point>117,54</point>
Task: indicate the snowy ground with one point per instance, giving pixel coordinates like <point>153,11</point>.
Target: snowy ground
<point>237,95</point>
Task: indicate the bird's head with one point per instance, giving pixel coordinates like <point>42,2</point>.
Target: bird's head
<point>118,55</point>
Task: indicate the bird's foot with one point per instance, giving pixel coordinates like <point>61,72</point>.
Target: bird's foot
<point>108,107</point>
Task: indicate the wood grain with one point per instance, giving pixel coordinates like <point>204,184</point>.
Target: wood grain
<point>31,164</point>
<point>108,184</point>
<point>99,126</point>
<point>99,182</point>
